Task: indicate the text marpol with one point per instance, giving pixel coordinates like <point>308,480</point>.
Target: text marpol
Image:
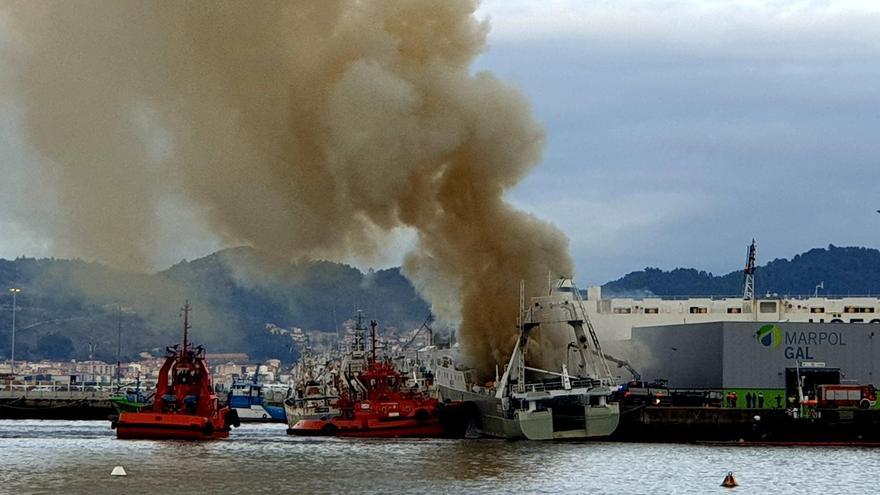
<point>797,344</point>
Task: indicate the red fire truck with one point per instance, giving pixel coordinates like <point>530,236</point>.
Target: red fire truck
<point>861,396</point>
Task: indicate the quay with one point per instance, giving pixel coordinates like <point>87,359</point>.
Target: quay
<point>676,424</point>
<point>54,401</point>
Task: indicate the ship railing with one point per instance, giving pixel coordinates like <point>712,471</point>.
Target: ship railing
<point>547,385</point>
<point>722,297</point>
<point>53,390</point>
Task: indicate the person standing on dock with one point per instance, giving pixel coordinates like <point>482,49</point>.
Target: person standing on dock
<point>761,400</point>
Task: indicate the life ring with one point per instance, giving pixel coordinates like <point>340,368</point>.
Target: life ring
<point>265,416</point>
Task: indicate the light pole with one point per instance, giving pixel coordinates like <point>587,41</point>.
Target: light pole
<point>15,291</point>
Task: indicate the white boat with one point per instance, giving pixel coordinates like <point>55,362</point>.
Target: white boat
<point>531,400</point>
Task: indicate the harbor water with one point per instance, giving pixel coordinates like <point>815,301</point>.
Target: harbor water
<point>76,457</point>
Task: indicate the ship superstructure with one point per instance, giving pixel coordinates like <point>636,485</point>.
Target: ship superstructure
<point>616,317</point>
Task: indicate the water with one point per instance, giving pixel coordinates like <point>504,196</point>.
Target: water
<point>76,457</point>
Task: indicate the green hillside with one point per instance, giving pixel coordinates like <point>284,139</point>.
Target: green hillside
<point>69,307</point>
<point>842,270</point>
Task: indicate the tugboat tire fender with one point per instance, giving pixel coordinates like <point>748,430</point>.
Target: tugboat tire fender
<point>233,418</point>
<point>329,428</point>
<point>421,415</point>
<point>208,429</point>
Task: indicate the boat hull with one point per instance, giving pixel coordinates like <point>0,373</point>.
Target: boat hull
<point>123,404</point>
<point>581,422</point>
<point>260,414</point>
<point>371,428</point>
<point>159,426</point>
<point>294,414</point>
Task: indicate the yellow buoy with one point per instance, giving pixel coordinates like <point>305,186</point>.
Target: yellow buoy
<point>729,481</point>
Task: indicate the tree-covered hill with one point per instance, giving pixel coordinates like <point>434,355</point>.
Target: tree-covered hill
<point>73,309</point>
<point>841,270</point>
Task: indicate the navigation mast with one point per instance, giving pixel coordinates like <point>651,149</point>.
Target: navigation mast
<point>749,274</point>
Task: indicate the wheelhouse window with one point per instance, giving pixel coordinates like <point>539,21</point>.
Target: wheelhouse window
<point>698,310</point>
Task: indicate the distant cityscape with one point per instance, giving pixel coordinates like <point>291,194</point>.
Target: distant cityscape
<point>95,375</point>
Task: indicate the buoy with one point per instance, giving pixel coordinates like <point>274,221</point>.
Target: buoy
<point>118,471</point>
<point>729,481</point>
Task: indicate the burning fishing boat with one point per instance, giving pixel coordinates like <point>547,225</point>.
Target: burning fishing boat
<point>534,402</point>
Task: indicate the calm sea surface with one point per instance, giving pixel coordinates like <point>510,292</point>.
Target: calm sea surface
<point>76,457</point>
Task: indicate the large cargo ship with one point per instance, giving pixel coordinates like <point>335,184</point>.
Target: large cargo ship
<point>615,317</point>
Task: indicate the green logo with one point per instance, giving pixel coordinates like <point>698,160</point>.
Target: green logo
<point>769,336</point>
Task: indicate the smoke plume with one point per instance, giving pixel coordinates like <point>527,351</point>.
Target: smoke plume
<point>301,128</point>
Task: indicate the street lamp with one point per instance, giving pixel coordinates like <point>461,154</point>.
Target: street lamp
<point>15,291</point>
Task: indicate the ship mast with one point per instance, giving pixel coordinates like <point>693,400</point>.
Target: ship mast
<point>186,326</point>
<point>749,275</point>
<point>373,338</point>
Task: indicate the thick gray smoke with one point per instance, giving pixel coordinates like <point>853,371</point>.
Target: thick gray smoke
<point>302,128</point>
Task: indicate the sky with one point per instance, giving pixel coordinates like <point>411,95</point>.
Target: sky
<point>677,131</point>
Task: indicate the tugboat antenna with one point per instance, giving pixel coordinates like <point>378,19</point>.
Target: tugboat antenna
<point>373,338</point>
<point>186,325</point>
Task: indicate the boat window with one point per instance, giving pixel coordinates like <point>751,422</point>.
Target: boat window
<point>698,310</point>
<point>817,309</point>
<point>767,307</point>
<point>734,310</point>
<point>858,309</point>
<point>622,310</point>
<point>652,311</point>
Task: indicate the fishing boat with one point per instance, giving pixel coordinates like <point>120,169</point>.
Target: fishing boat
<point>532,400</point>
<point>312,401</point>
<point>376,403</point>
<point>247,400</point>
<point>184,406</point>
<point>132,400</point>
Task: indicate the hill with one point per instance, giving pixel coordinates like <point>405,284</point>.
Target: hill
<point>73,309</point>
<point>842,271</point>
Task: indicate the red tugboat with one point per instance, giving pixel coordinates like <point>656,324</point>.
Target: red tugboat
<point>386,408</point>
<point>185,406</point>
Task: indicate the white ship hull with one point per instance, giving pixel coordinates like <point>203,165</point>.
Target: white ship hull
<point>552,423</point>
